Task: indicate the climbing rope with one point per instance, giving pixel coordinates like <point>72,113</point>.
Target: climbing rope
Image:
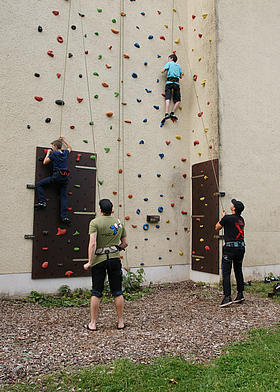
<point>210,154</point>
<point>89,101</point>
<point>65,66</point>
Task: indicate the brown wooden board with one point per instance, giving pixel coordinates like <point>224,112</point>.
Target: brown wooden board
<point>205,214</point>
<point>60,249</point>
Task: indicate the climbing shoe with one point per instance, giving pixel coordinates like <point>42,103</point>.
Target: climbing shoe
<point>66,221</point>
<point>226,302</point>
<point>166,117</point>
<point>41,204</point>
<point>239,298</point>
<point>173,117</point>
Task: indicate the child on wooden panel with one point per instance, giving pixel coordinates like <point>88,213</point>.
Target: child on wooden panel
<point>60,175</point>
<point>172,87</point>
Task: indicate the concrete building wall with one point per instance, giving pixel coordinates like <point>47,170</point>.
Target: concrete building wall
<point>248,72</point>
<point>24,52</point>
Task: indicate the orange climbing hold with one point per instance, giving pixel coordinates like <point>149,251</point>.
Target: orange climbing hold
<point>120,171</point>
<point>108,66</point>
<point>128,154</point>
<point>109,114</point>
<point>126,56</point>
<point>127,217</point>
<point>130,196</point>
<point>124,103</point>
<point>104,84</point>
<point>127,121</point>
<point>123,13</point>
<point>115,31</point>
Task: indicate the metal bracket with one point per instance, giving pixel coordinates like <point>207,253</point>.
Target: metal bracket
<point>29,236</point>
<point>30,186</point>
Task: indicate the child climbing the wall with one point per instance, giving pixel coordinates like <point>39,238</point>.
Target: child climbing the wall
<point>172,87</point>
<point>60,175</point>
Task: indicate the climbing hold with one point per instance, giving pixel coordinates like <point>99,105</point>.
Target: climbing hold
<point>181,197</point>
<point>140,263</point>
<point>162,37</point>
<point>193,16</point>
<point>96,96</point>
<point>114,20</point>
<point>107,149</point>
<point>136,45</point>
<point>109,114</point>
<point>116,94</point>
<point>184,175</point>
<point>195,78</point>
<point>123,13</point>
<point>28,127</point>
<point>78,157</point>
<point>59,39</point>
<point>195,142</point>
<point>127,121</point>
<point>45,248</point>
<point>130,196</point>
<point>115,192</point>
<point>134,75</point>
<point>73,27</point>
<point>145,199</point>
<point>145,63</point>
<point>60,231</point>
<point>160,209</point>
<point>99,10</point>
<point>181,253</point>
<point>128,154</point>
<point>91,123</point>
<point>180,28</point>
<point>95,73</point>
<point>204,16</point>
<point>50,53</point>
<point>142,13</point>
<point>167,142</point>
<point>120,171</point>
<point>206,247</point>
<point>158,175</point>
<point>40,29</point>
<point>172,204</point>
<point>104,84</point>
<point>177,41</point>
<point>148,91</point>
<point>58,75</point>
<point>200,58</point>
<point>77,186</point>
<point>157,226</point>
<point>203,82</point>
<point>200,35</point>
<point>183,159</point>
<point>37,75</point>
<point>138,211</point>
<point>202,198</point>
<point>124,103</point>
<point>178,137</point>
<point>93,157</point>
<point>210,146</point>
<point>139,100</point>
<point>150,36</point>
<point>115,31</point>
<point>126,56</point>
<point>68,273</point>
<point>100,182</point>
<point>210,40</point>
<point>137,27</point>
<point>139,175</point>
<point>85,141</point>
<point>99,56</point>
<point>70,55</point>
<point>156,107</point>
<point>72,126</point>
<point>134,226</point>
<point>76,233</point>
<point>167,221</point>
<point>55,13</point>
<point>48,120</point>
<point>201,239</point>
<point>146,227</point>
<point>127,217</point>
<point>39,99</point>
<point>80,99</point>
<point>141,141</point>
<point>184,212</point>
<point>166,26</point>
<point>108,66</point>
<point>45,264</point>
<point>145,120</point>
<point>59,102</point>
<point>161,155</point>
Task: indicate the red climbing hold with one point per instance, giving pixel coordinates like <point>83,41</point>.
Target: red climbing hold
<point>168,142</point>
<point>58,75</point>
<point>172,204</point>
<point>59,39</point>
<point>45,150</point>
<point>80,99</point>
<point>159,12</point>
<point>70,193</point>
<point>86,51</point>
<point>184,175</point>
<point>120,171</point>
<point>72,126</point>
<point>210,146</point>
<point>60,231</point>
<point>200,35</point>
<point>183,159</point>
<point>45,248</point>
<point>134,226</point>
<point>69,208</point>
<point>55,13</point>
<point>115,192</point>
<point>181,28</point>
<point>39,99</point>
<point>195,78</point>
<point>45,264</point>
<point>78,157</point>
<point>181,197</point>
<point>200,114</point>
<point>184,212</point>
<point>193,252</point>
<point>130,196</point>
<point>162,37</point>
<point>110,47</point>
<point>163,95</point>
<point>207,247</point>
<point>127,217</point>
<point>198,219</point>
<point>208,103</point>
<point>69,273</point>
<point>50,53</point>
<point>195,142</point>
<point>193,16</point>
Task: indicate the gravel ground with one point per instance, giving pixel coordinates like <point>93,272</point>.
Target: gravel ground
<point>178,319</point>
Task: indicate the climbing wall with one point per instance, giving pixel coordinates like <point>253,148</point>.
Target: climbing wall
<point>60,250</point>
<point>93,75</point>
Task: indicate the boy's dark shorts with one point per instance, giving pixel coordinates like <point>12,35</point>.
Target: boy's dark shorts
<point>169,87</point>
<point>113,267</point>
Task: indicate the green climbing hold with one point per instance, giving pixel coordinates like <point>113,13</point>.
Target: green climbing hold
<point>99,56</point>
<point>111,126</point>
<point>114,20</point>
<point>96,33</point>
<point>96,96</point>
<point>77,186</point>
<point>116,94</point>
<point>95,74</point>
<point>85,35</point>
<point>91,123</point>
<point>76,233</point>
<point>76,249</point>
<point>85,141</point>
<point>100,182</point>
<point>93,157</point>
<point>107,149</point>
<point>99,9</point>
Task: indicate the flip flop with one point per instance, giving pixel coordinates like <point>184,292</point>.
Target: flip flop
<point>121,327</point>
<point>89,329</point>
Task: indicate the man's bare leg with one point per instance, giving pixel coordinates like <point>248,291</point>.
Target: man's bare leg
<point>167,104</point>
<point>119,303</point>
<point>94,309</point>
<point>175,107</point>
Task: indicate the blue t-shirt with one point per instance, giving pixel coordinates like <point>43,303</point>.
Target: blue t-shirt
<point>59,160</point>
<point>174,70</point>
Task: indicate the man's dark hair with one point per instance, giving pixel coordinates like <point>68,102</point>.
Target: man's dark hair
<point>173,57</point>
<point>106,206</point>
<point>57,143</point>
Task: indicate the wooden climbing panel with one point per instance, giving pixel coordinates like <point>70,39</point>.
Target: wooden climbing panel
<point>60,250</point>
<point>205,214</point>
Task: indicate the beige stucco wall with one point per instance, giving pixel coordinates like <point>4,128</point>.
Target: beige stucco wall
<point>249,97</point>
<point>24,53</point>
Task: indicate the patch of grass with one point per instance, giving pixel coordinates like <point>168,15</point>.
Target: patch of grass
<point>249,366</point>
<point>261,288</point>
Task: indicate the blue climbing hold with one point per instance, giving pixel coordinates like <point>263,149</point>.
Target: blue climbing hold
<point>156,107</point>
<point>145,63</point>
<point>134,75</point>
<point>140,263</point>
<point>148,91</point>
<point>167,238</point>
<point>158,56</point>
<point>145,120</point>
<point>136,45</point>
<point>146,199</point>
<point>139,100</point>
<point>146,239</point>
<point>138,211</point>
<point>139,175</point>
<point>157,226</point>
<point>141,141</point>
<point>158,175</point>
<point>161,195</point>
<point>159,257</point>
<point>160,209</point>
<point>146,227</point>
<point>161,155</point>
<point>142,13</point>
<point>150,37</point>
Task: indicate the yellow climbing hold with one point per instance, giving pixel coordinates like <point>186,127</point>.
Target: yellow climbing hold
<point>197,259</point>
<point>177,41</point>
<point>206,204</point>
<point>202,198</point>
<point>205,177</point>
<point>180,107</point>
<point>181,253</point>
<point>200,58</point>
<point>203,82</point>
<point>201,226</point>
<point>206,130</point>
<point>201,240</point>
<point>199,154</point>
<point>172,185</point>
<point>174,9</point>
<point>210,40</point>
<point>178,137</point>
<point>167,221</point>
<point>204,16</point>
<point>166,26</point>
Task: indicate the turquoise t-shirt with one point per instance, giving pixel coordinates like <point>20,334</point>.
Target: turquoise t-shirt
<point>110,231</point>
<point>174,70</point>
